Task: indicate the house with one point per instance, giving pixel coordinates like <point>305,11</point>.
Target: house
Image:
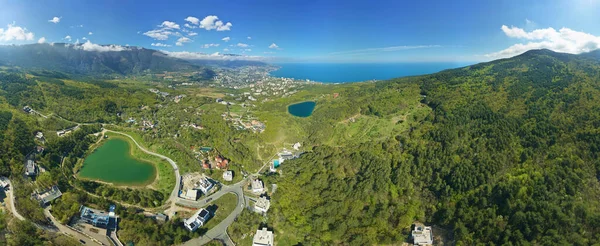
<point>160,217</point>
<point>262,204</point>
<point>190,195</point>
<point>422,235</point>
<point>204,185</point>
<point>39,135</point>
<point>30,168</point>
<point>198,219</point>
<point>297,146</point>
<point>228,175</point>
<point>47,196</point>
<point>93,217</point>
<point>257,186</point>
<point>4,183</point>
<point>263,237</point>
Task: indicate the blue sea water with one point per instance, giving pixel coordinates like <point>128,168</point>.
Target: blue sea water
<point>355,72</point>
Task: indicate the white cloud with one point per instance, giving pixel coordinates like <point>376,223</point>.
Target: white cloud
<point>249,37</point>
<point>169,25</point>
<point>15,33</point>
<point>564,40</point>
<point>41,40</point>
<point>160,45</point>
<point>161,34</point>
<point>68,38</point>
<point>248,50</point>
<point>226,39</point>
<point>206,46</point>
<point>215,56</point>
<point>529,22</point>
<point>192,20</point>
<point>384,49</point>
<point>55,20</point>
<point>273,46</point>
<point>243,45</point>
<point>84,38</point>
<point>192,34</point>
<point>183,40</point>
<point>189,26</point>
<point>90,33</point>
<point>226,50</point>
<point>89,46</point>
<point>212,22</point>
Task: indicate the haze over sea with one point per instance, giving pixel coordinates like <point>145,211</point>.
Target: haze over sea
<point>355,72</point>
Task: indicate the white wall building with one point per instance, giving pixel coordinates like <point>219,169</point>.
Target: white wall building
<point>197,220</point>
<point>258,186</point>
<point>262,204</point>
<point>263,237</point>
<point>205,185</point>
<point>190,194</point>
<point>422,235</point>
<point>228,175</point>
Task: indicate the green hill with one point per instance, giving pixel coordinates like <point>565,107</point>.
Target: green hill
<point>507,155</point>
<point>100,60</point>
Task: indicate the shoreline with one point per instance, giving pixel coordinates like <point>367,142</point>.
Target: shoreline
<point>151,181</point>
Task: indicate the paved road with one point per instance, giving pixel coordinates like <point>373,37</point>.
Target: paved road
<point>220,231</point>
<point>11,201</point>
<point>175,193</point>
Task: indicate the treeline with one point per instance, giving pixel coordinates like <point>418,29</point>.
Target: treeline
<point>142,197</point>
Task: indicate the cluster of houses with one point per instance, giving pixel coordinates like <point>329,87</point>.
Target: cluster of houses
<point>160,93</point>
<point>46,196</point>
<point>241,124</point>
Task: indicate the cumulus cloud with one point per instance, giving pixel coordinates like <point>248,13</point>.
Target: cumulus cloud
<point>273,46</point>
<point>13,32</point>
<point>90,33</point>
<point>215,56</point>
<point>242,45</point>
<point>206,46</point>
<point>192,34</point>
<point>226,50</point>
<point>160,45</point>
<point>41,40</point>
<point>183,40</point>
<point>161,34</point>
<point>193,20</point>
<point>212,22</point>
<point>564,40</point>
<point>249,37</point>
<point>189,26</point>
<point>55,20</point>
<point>84,38</point>
<point>68,38</point>
<point>89,46</point>
<point>169,25</point>
<point>226,39</point>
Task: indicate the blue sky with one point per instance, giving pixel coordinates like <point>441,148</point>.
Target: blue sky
<point>319,31</point>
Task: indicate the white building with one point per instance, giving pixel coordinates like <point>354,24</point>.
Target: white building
<point>263,237</point>
<point>205,185</point>
<point>4,182</point>
<point>297,146</point>
<point>197,220</point>
<point>258,186</point>
<point>262,204</point>
<point>228,175</point>
<point>422,235</point>
<point>39,135</point>
<point>190,194</point>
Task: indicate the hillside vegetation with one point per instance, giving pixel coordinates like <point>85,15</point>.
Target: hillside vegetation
<point>507,155</point>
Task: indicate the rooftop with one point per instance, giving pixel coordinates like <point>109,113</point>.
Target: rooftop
<point>422,235</point>
<point>197,220</point>
<point>263,237</point>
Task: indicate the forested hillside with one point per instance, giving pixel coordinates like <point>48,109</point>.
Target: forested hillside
<point>508,155</point>
<point>94,61</point>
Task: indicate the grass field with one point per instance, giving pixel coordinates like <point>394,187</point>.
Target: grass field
<point>225,205</point>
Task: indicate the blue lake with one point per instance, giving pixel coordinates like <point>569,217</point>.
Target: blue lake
<point>303,109</point>
<point>355,72</point>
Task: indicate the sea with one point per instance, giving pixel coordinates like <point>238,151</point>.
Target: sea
<point>356,72</point>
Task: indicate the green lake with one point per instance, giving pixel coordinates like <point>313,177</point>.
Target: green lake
<point>303,109</point>
<point>113,163</point>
